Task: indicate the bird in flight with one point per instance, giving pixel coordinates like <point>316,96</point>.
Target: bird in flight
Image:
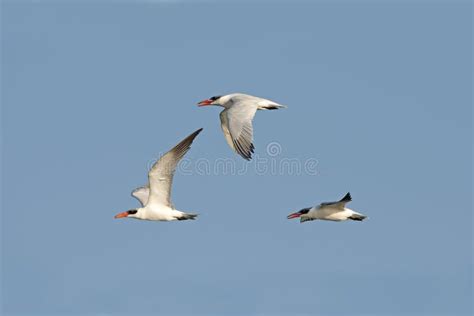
<point>155,197</point>
<point>329,211</point>
<point>236,119</point>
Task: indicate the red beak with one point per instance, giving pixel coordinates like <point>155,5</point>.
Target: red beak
<point>205,102</point>
<point>120,215</point>
<point>294,215</point>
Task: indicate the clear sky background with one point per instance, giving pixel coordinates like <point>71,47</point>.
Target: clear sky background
<point>378,93</point>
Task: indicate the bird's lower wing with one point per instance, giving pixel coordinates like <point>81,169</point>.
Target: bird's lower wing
<point>225,129</point>
<point>236,123</point>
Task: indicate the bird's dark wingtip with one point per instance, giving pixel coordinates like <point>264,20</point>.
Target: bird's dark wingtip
<point>246,155</point>
<point>347,197</point>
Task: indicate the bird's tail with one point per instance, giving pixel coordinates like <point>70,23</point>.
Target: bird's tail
<point>357,217</point>
<point>271,107</point>
<point>186,216</point>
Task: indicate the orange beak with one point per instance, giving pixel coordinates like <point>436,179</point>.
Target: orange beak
<point>120,215</point>
<point>205,102</point>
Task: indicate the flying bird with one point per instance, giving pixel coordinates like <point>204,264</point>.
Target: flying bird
<point>236,119</point>
<point>155,197</point>
<point>329,211</point>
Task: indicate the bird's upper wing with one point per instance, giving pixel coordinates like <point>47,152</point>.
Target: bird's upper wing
<point>236,123</point>
<point>338,204</point>
<point>160,177</point>
<point>141,194</point>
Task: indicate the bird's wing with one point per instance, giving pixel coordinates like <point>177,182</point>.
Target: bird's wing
<point>225,129</point>
<point>160,177</point>
<point>141,194</point>
<point>338,204</point>
<point>236,123</point>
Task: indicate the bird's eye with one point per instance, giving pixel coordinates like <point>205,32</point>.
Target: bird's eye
<point>305,210</point>
<point>214,98</point>
<point>132,212</point>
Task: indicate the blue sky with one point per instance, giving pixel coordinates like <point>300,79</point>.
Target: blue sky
<point>379,97</point>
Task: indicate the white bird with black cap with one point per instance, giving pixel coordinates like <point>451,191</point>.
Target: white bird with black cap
<point>329,211</point>
<point>236,119</point>
<point>155,197</point>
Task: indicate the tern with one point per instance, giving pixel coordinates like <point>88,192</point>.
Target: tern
<point>155,197</point>
<point>329,211</point>
<point>236,119</point>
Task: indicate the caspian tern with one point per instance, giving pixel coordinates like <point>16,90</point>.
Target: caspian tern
<point>329,211</point>
<point>236,119</point>
<point>155,197</point>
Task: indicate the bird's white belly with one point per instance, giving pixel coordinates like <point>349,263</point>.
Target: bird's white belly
<point>339,216</point>
<point>161,214</point>
<point>331,215</point>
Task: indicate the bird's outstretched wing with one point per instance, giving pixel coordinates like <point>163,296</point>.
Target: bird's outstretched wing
<point>160,177</point>
<point>338,204</point>
<point>236,123</point>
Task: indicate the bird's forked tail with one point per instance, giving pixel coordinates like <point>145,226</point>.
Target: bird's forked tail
<point>357,217</point>
<point>186,216</point>
<point>271,107</point>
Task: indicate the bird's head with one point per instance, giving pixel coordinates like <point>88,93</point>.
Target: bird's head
<point>299,213</point>
<point>215,100</point>
<point>129,213</point>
